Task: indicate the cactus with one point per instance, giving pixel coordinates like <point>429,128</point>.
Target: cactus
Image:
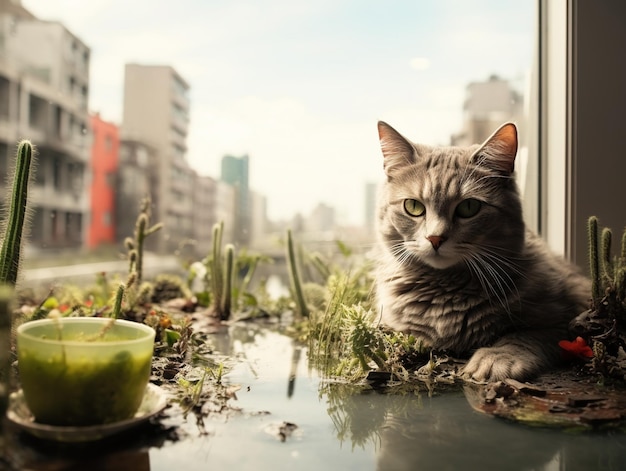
<point>14,222</point>
<point>228,276</point>
<point>220,269</point>
<point>294,276</point>
<point>606,262</point>
<point>227,295</point>
<point>16,214</point>
<point>608,274</point>
<point>215,268</point>
<point>119,297</point>
<point>594,266</point>
<point>136,246</point>
<point>604,324</point>
<point>135,290</point>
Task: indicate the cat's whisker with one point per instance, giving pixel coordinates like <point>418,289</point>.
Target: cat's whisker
<point>489,269</point>
<point>474,268</point>
<point>490,282</point>
<point>501,260</point>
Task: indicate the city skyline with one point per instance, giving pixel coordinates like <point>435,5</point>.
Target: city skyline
<point>299,87</point>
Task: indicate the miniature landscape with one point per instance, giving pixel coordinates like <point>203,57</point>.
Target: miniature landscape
<point>208,319</point>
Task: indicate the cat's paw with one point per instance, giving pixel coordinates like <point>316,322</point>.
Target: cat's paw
<point>498,363</point>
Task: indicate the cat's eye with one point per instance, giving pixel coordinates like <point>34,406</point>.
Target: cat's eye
<point>414,208</point>
<point>468,208</point>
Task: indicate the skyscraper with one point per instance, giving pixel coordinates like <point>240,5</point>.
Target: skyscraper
<point>235,173</point>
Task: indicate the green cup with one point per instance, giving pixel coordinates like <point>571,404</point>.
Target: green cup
<point>80,371</point>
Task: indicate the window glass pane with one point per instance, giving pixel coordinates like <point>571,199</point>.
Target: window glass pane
<point>300,86</point>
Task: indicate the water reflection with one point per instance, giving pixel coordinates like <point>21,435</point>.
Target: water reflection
<point>446,434</point>
<point>414,430</point>
<point>336,426</point>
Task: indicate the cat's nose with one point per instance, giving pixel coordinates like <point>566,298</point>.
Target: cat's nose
<point>436,241</point>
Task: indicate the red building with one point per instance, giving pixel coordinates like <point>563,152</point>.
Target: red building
<point>104,162</point>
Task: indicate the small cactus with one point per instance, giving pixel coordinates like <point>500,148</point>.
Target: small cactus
<point>594,265</point>
<point>227,296</point>
<point>216,269</point>
<point>16,214</point>
<point>135,246</point>
<point>294,276</point>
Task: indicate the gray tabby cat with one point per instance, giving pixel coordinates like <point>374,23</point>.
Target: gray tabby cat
<point>458,269</point>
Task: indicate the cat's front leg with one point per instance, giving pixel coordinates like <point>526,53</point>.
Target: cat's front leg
<point>516,357</point>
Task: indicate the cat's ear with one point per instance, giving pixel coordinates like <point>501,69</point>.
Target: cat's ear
<point>397,151</point>
<point>499,150</point>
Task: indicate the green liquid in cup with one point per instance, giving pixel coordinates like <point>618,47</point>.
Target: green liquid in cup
<point>81,383</point>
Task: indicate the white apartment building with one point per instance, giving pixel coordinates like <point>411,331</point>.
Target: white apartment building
<point>156,112</point>
<point>44,91</point>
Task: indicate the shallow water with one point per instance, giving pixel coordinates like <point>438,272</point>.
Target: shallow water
<point>326,426</point>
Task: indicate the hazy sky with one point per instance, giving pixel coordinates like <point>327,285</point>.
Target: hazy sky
<point>299,85</point>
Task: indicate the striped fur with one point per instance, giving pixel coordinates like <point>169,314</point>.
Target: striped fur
<point>492,290</point>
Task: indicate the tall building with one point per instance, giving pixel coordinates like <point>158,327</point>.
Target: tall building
<point>235,172</point>
<point>136,179</point>
<point>44,91</point>
<point>488,105</point>
<point>156,113</point>
<point>105,148</point>
<point>204,215</point>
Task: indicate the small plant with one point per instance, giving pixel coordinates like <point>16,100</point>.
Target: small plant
<point>348,343</point>
<point>345,338</point>
<point>226,274</point>
<point>603,326</point>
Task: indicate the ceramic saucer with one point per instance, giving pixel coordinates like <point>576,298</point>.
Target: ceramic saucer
<point>154,401</point>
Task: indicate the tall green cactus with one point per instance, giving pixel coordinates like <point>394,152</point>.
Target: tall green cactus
<point>16,214</point>
<point>216,269</point>
<point>605,260</point>
<point>227,296</point>
<point>294,275</point>
<point>14,221</point>
<point>594,264</point>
